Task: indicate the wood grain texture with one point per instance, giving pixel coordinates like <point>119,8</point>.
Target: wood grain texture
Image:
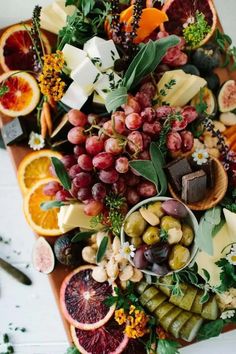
<point>18,152</point>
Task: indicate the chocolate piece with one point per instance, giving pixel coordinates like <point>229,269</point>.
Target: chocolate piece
<point>13,132</point>
<point>208,168</point>
<point>194,187</point>
<point>176,170</point>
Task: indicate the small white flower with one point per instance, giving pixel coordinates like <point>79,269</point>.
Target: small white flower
<point>36,141</point>
<point>127,250</point>
<point>200,156</point>
<point>231,257</point>
<point>233,248</point>
<point>227,314</point>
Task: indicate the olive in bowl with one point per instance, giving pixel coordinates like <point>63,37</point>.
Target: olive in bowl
<point>162,231</point>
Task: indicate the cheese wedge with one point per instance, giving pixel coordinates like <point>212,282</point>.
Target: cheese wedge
<point>61,216</point>
<point>189,89</point>
<point>50,21</point>
<point>61,10</point>
<point>75,217</point>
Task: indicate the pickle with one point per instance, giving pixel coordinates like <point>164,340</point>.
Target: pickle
<point>140,287</point>
<point>179,322</point>
<point>167,320</point>
<point>197,306</point>
<point>163,309</point>
<point>210,309</point>
<point>190,330</point>
<point>176,299</point>
<point>148,295</point>
<point>156,301</point>
<point>188,299</point>
<point>168,281</point>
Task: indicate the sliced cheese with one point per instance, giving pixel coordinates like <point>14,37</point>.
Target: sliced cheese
<point>167,77</point>
<point>50,21</point>
<point>231,222</point>
<point>75,217</point>
<point>189,89</point>
<point>61,216</point>
<point>61,10</point>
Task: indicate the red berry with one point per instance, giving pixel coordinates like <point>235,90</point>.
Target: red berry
<point>182,59</point>
<point>132,179</point>
<point>103,160</point>
<point>107,127</point>
<point>84,194</point>
<point>93,208</point>
<point>132,196</point>
<point>174,142</point>
<point>119,121</point>
<point>63,195</point>
<point>178,125</point>
<point>144,155</point>
<point>68,161</point>
<point>187,141</point>
<point>163,112</point>
<point>122,165</point>
<point>76,136</point>
<point>152,128</point>
<point>119,187</point>
<point>132,106</point>
<point>149,88</point>
<point>108,176</point>
<point>99,191</point>
<point>79,150</point>
<point>148,115</point>
<point>113,146</point>
<point>77,118</point>
<point>85,162</point>
<point>143,99</point>
<point>94,144</point>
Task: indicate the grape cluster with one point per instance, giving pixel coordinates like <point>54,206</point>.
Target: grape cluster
<point>104,147</point>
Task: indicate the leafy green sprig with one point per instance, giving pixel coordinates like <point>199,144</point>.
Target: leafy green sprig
<point>214,328</point>
<point>195,32</point>
<point>224,43</point>
<point>72,350</point>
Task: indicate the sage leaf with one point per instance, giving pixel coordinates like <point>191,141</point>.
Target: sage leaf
<point>166,346</point>
<point>205,297</point>
<point>218,227</point>
<point>213,216</point>
<point>102,249</point>
<point>83,235</point>
<point>211,329</point>
<point>157,160</point>
<point>61,173</point>
<point>146,169</point>
<point>206,274</point>
<point>116,98</point>
<point>50,205</point>
<point>204,236</point>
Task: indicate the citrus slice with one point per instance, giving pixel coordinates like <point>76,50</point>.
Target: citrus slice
<point>16,49</point>
<point>35,167</point>
<point>181,13</point>
<point>108,339</point>
<point>22,93</point>
<point>44,223</point>
<point>82,299</point>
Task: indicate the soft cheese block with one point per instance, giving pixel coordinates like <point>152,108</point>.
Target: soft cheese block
<point>102,53</point>
<point>86,75</point>
<point>74,97</point>
<point>108,81</point>
<point>75,217</point>
<point>73,56</point>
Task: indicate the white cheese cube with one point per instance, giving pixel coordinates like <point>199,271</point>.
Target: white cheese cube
<point>93,42</point>
<point>103,54</point>
<point>73,56</point>
<point>74,97</point>
<point>107,82</point>
<point>61,10</point>
<point>86,75</point>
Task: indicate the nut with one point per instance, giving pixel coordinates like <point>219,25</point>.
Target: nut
<point>116,245</point>
<point>127,273</point>
<point>214,152</point>
<point>123,262</point>
<point>89,254</point>
<point>219,126</point>
<point>174,235</point>
<point>210,142</point>
<point>112,269</point>
<point>99,274</point>
<point>150,217</point>
<point>228,118</point>
<point>137,276</point>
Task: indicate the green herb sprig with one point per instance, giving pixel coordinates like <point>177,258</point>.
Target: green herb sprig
<point>214,328</point>
<point>72,350</point>
<point>224,43</point>
<point>195,32</point>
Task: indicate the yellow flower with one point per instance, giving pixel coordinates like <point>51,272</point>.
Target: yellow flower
<point>120,316</point>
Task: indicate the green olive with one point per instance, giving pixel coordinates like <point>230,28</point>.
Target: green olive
<point>135,225</point>
<point>188,235</point>
<point>156,208</point>
<point>179,257</point>
<point>136,241</point>
<point>168,222</point>
<point>151,235</point>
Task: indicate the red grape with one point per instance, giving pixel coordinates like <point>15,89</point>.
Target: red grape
<point>146,140</point>
<point>133,121</point>
<point>149,88</point>
<point>107,126</point>
<point>103,160</point>
<point>74,170</point>
<point>99,191</point>
<point>113,146</point>
<point>63,195</point>
<point>135,142</point>
<point>132,196</point>
<point>79,150</point>
<point>119,187</point>
<point>68,161</point>
<point>94,145</point>
<point>93,208</point>
<point>85,162</point>
<point>162,34</point>
<point>163,112</point>
<point>52,188</point>
<point>76,136</point>
<point>148,114</point>
<point>52,171</point>
<point>84,194</point>
<point>172,54</point>
<point>83,179</point>
<point>143,99</point>
<point>92,118</point>
<point>119,121</point>
<point>122,165</point>
<point>132,179</point>
<point>77,118</point>
<point>182,59</point>
<point>132,106</point>
<point>178,125</point>
<point>108,176</point>
<point>152,128</point>
<point>189,113</point>
<point>187,141</point>
<point>146,189</point>
<point>174,141</point>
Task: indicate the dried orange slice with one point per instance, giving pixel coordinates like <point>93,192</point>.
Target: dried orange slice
<point>16,49</point>
<point>22,93</point>
<point>35,167</point>
<point>43,222</point>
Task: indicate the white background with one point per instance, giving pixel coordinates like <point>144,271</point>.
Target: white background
<point>38,312</point>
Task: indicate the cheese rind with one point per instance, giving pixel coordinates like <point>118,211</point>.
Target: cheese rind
<point>86,75</point>
<point>73,56</point>
<point>74,97</point>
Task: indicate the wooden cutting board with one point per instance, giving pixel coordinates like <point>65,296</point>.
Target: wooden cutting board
<point>18,152</point>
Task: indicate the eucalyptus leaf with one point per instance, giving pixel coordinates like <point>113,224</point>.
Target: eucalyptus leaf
<point>83,235</point>
<point>204,236</point>
<point>146,169</point>
<point>213,216</point>
<point>116,98</point>
<point>157,160</point>
<point>51,205</point>
<point>218,227</point>
<point>102,249</point>
<point>61,173</point>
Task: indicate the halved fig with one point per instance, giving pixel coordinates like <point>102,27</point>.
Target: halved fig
<point>209,99</point>
<point>148,295</point>
<point>227,96</point>
<point>167,320</point>
<point>191,328</point>
<point>156,301</point>
<point>179,322</point>
<point>42,256</point>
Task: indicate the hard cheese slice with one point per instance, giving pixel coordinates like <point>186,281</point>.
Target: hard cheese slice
<point>74,217</point>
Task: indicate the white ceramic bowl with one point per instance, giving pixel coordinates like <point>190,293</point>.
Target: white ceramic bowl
<point>190,220</point>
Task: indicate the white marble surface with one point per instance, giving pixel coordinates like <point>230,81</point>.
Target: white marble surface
<point>34,307</point>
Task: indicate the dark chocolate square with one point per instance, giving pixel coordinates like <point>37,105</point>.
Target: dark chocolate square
<point>194,187</point>
<point>13,132</point>
<point>176,170</point>
<point>208,168</point>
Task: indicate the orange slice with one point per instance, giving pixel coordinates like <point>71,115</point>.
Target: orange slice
<point>22,93</point>
<point>16,49</point>
<point>35,167</point>
<point>44,223</point>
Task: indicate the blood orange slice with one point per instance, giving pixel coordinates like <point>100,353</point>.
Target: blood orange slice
<point>82,299</point>
<point>181,12</point>
<point>16,49</point>
<point>108,339</point>
<point>21,96</point>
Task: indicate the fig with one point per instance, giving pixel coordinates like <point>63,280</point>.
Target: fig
<point>66,252</point>
<point>208,98</point>
<point>227,96</point>
<point>213,82</point>
<point>139,259</point>
<point>174,208</point>
<point>160,270</point>
<point>190,69</point>
<point>43,257</point>
<point>207,58</point>
<point>158,253</point>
